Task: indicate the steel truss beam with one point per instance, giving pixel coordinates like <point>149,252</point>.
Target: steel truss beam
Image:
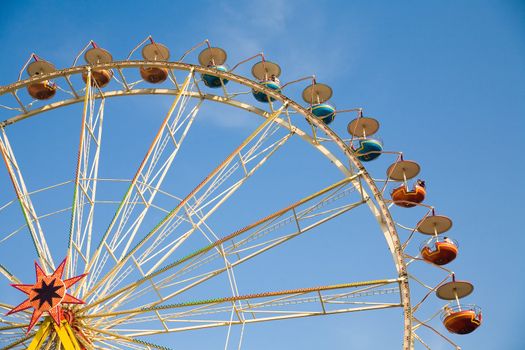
<point>85,183</point>
<point>145,184</point>
<point>261,307</point>
<point>196,202</point>
<point>305,215</point>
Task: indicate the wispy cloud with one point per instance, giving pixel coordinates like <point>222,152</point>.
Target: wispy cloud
<point>289,32</point>
<point>270,15</point>
<point>248,26</point>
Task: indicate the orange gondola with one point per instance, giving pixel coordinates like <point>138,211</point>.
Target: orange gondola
<point>439,251</point>
<point>462,319</point>
<point>95,56</point>
<point>154,52</point>
<point>99,77</point>
<point>458,318</point>
<point>42,90</point>
<point>404,198</point>
<point>154,75</point>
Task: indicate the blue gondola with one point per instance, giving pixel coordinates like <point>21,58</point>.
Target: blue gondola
<point>369,149</point>
<point>323,111</point>
<point>214,81</point>
<point>261,96</point>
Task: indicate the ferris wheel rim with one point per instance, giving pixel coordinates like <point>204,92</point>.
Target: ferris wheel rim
<point>387,224</point>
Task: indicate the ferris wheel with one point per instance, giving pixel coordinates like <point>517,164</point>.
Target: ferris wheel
<point>129,271</point>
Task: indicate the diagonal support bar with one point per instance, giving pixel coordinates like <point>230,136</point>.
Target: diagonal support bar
<point>204,250</point>
<point>210,184</point>
<point>26,204</point>
<point>167,219</point>
<point>173,126</point>
<point>85,187</point>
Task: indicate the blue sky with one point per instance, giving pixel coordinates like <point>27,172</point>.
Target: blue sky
<point>446,79</point>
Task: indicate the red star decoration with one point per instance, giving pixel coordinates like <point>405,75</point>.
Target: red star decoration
<point>47,294</point>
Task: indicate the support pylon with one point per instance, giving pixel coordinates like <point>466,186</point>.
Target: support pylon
<point>65,335</point>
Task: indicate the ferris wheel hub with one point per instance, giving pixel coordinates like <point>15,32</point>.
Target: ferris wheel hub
<point>47,294</point>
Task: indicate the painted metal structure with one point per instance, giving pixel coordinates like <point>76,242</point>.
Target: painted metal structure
<point>150,254</point>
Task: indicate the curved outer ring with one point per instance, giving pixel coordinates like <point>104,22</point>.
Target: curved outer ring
<point>381,213</point>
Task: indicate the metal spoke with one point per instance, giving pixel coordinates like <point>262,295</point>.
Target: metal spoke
<point>20,340</point>
<point>295,215</point>
<point>262,307</point>
<point>195,211</point>
<point>9,275</point>
<point>210,184</point>
<point>202,219</point>
<point>86,175</point>
<point>146,182</point>
<point>126,339</point>
<point>26,204</point>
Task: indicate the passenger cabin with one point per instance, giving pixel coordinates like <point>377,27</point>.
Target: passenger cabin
<point>154,52</point>
<point>365,147</point>
<point>213,57</point>
<point>42,90</point>
<point>406,198</point>
<point>316,96</point>
<point>459,318</point>
<point>99,77</point>
<point>324,112</point>
<point>368,149</point>
<point>439,251</point>
<point>268,75</point>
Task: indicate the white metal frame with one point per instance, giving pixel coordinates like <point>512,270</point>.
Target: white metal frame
<point>88,164</point>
